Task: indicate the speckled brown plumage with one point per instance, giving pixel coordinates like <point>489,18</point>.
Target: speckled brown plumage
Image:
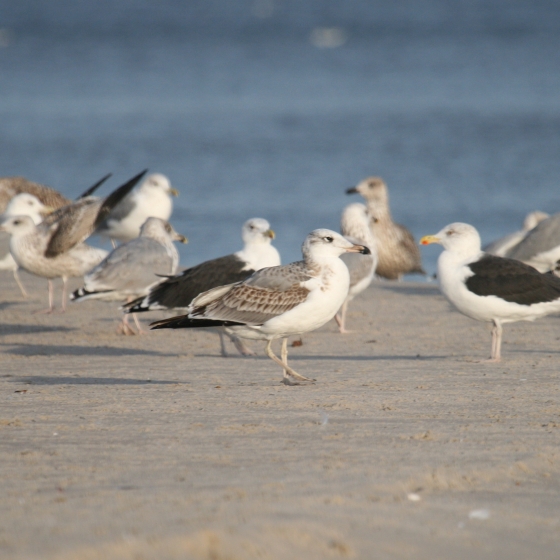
<point>397,250</point>
<point>10,186</point>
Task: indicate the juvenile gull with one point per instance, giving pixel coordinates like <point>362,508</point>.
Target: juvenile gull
<point>354,225</point>
<point>397,251</point>
<point>54,248</point>
<point>489,288</point>
<point>279,301</point>
<point>500,247</point>
<point>178,291</point>
<point>23,204</point>
<point>131,269</point>
<point>10,186</point>
<point>151,199</point>
<point>541,246</point>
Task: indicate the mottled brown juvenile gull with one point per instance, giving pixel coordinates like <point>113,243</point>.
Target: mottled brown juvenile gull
<point>131,269</point>
<point>151,199</point>
<point>397,251</point>
<point>279,301</point>
<point>54,248</point>
<point>23,204</point>
<point>10,186</point>
<point>502,246</point>
<point>487,288</point>
<point>178,291</point>
<point>354,225</point>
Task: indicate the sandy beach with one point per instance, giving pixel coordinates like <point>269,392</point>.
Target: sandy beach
<point>156,447</point>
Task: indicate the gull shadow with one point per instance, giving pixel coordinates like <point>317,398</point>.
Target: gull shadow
<point>50,380</point>
<point>7,304</point>
<point>101,351</point>
<point>428,289</point>
<point>31,329</point>
<point>295,357</point>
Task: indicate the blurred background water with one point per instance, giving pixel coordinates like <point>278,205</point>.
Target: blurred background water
<point>272,108</point>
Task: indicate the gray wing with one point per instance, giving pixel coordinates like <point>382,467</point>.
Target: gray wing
<point>267,293</point>
<point>133,265</point>
<point>501,246</point>
<point>543,237</point>
<point>359,266</point>
<point>119,212</point>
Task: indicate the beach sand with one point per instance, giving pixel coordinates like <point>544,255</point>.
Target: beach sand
<point>156,447</point>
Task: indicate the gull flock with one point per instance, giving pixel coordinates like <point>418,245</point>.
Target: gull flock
<point>249,294</point>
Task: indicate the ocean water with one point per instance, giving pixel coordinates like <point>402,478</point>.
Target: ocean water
<point>273,108</point>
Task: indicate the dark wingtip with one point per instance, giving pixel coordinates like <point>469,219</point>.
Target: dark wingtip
<point>351,190</point>
<point>94,187</point>
<point>116,196</point>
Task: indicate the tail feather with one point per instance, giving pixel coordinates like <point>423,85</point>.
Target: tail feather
<point>184,322</point>
<point>82,293</point>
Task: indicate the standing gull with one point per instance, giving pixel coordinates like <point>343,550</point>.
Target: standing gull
<point>10,186</point>
<point>151,199</point>
<point>134,267</point>
<point>54,248</point>
<point>541,246</point>
<point>178,291</point>
<point>397,251</point>
<point>501,246</point>
<point>279,301</point>
<point>492,289</point>
<point>354,225</point>
<point>23,204</point>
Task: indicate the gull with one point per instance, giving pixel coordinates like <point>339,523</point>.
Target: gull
<point>151,199</point>
<point>397,251</point>
<point>279,301</point>
<point>487,288</point>
<point>54,248</point>
<point>10,186</point>
<point>177,292</point>
<point>501,246</point>
<point>131,269</point>
<point>23,204</point>
<point>27,204</point>
<point>354,226</point>
<point>541,246</point>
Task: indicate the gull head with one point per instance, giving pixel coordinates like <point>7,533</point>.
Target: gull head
<point>373,189</point>
<point>458,238</point>
<point>327,243</point>
<point>257,230</point>
<point>26,204</point>
<point>156,227</point>
<point>158,183</point>
<point>17,225</point>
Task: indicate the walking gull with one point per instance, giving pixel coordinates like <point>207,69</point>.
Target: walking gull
<point>177,292</point>
<point>133,268</point>
<point>54,248</point>
<point>397,251</point>
<point>354,225</point>
<point>151,199</point>
<point>279,301</point>
<point>489,288</point>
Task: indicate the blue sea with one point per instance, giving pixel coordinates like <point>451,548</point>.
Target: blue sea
<point>273,108</point>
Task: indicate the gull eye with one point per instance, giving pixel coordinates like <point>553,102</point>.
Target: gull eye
<point>450,232</point>
<point>328,239</point>
<point>17,222</point>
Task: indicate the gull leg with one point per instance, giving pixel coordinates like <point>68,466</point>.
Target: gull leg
<point>138,325</point>
<point>223,350</point>
<point>64,293</point>
<point>288,371</point>
<point>496,354</point>
<point>340,318</point>
<point>124,327</point>
<point>241,347</point>
<point>113,243</point>
<point>19,283</point>
<point>51,300</point>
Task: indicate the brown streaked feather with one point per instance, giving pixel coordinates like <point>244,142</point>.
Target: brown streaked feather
<point>10,186</point>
